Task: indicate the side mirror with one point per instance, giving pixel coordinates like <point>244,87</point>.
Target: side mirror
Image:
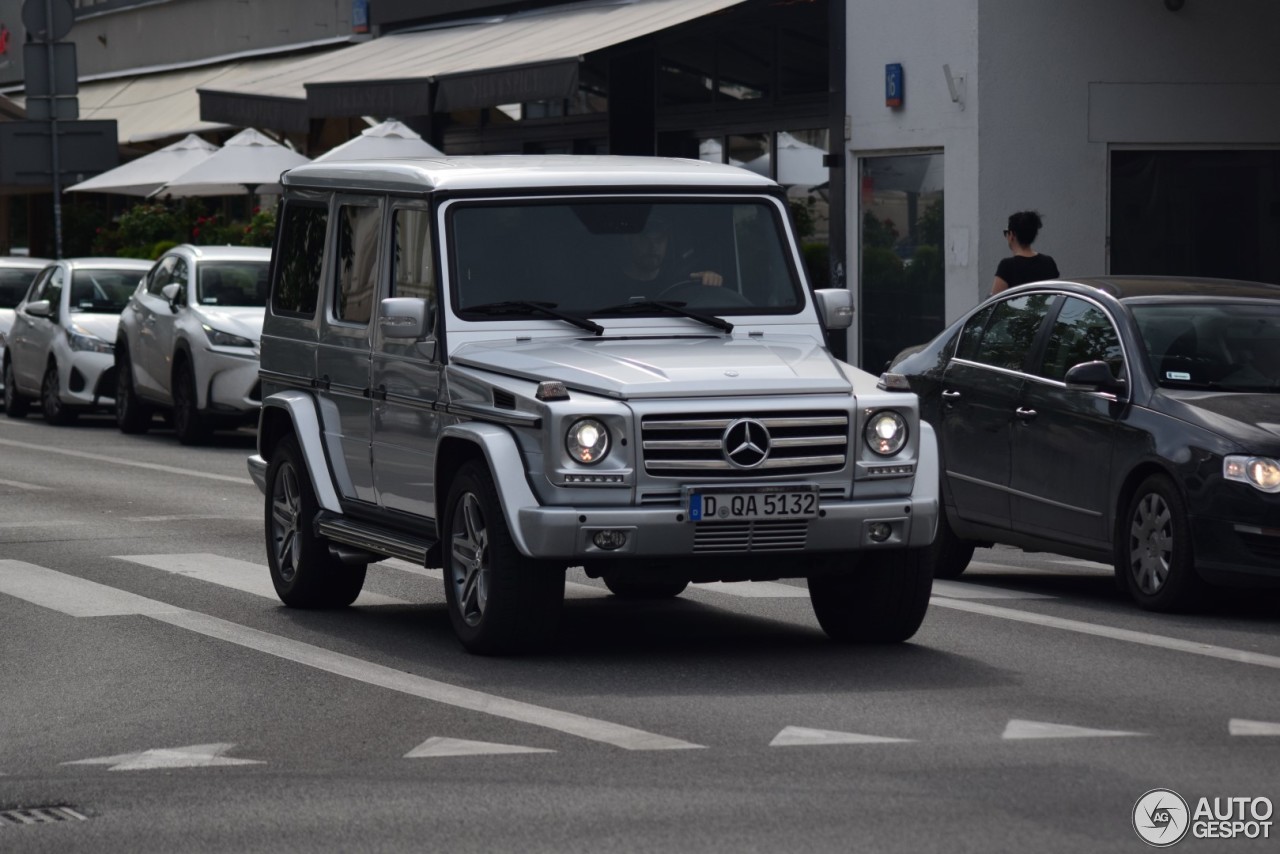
<point>172,292</point>
<point>403,317</point>
<point>39,308</point>
<point>835,307</point>
<point>1092,376</point>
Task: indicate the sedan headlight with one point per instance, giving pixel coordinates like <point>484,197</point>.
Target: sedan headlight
<point>79,338</point>
<point>886,432</point>
<point>1259,472</point>
<point>587,441</point>
<point>218,338</point>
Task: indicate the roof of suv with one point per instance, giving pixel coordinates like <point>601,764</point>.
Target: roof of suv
<point>521,171</point>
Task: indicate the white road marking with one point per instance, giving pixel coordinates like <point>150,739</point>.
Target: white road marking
<point>572,589</point>
<point>69,594</point>
<point>236,574</point>
<point>1238,726</point>
<point>1087,564</point>
<point>17,484</point>
<point>190,518</point>
<point>121,461</point>
<point>1017,729</point>
<point>44,523</point>
<point>969,590</point>
<point>797,736</point>
<point>755,589</point>
<point>438,746</point>
<point>1239,656</point>
<point>195,756</point>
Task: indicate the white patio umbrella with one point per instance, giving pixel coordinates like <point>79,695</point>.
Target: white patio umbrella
<point>388,139</point>
<point>249,162</point>
<point>148,173</point>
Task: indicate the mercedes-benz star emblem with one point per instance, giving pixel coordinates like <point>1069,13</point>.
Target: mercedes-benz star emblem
<point>746,443</point>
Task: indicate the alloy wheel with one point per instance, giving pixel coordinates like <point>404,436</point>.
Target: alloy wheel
<point>1151,543</point>
<point>285,510</point>
<point>469,559</point>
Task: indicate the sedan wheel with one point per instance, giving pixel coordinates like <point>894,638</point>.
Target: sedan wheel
<point>55,411</point>
<point>188,423</point>
<point>15,403</point>
<point>1153,551</point>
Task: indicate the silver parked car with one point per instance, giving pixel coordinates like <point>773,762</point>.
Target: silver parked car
<point>60,346</point>
<point>188,341</point>
<point>506,366</point>
<point>16,274</point>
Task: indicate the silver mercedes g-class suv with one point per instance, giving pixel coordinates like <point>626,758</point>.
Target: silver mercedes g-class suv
<point>507,366</point>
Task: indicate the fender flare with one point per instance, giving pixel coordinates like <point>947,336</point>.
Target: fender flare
<point>506,467</point>
<point>925,495</point>
<point>300,408</point>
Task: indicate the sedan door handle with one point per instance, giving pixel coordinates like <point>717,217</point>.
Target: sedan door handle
<point>1025,414</point>
<point>950,395</point>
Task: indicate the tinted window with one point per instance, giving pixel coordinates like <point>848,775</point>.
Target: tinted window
<point>13,285</point>
<point>971,335</point>
<point>413,275</point>
<point>300,255</point>
<point>1082,332</point>
<point>1012,330</point>
<point>102,291</point>
<point>239,283</point>
<point>1232,346</point>
<point>160,275</point>
<point>357,254</point>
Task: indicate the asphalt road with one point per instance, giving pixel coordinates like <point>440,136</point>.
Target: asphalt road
<point>152,685</point>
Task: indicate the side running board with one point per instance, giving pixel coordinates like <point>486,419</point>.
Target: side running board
<point>380,541</point>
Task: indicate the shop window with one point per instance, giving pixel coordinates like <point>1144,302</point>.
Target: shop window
<point>745,64</point>
<point>686,72</point>
<point>901,281</point>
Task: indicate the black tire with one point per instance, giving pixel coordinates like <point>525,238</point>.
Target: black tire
<point>882,599</point>
<point>1154,553</point>
<point>16,404</point>
<point>55,411</point>
<point>303,570</point>
<point>949,555</point>
<point>500,602</point>
<point>629,587</point>
<point>132,415</point>
<point>189,424</point>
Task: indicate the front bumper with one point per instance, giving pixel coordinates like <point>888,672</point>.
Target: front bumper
<point>228,382</point>
<point>87,378</point>
<point>566,533</point>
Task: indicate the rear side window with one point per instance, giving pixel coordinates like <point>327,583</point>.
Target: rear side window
<point>1012,330</point>
<point>357,256</point>
<point>1081,333</point>
<point>300,254</point>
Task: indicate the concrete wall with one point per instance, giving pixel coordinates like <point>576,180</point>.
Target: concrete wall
<point>1050,88</point>
<point>187,30</point>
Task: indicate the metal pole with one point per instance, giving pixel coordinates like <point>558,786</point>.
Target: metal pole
<point>53,134</point>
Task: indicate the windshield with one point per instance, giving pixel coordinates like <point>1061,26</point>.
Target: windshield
<point>598,258</point>
<point>13,285</point>
<point>103,291</point>
<point>1212,345</point>
<point>238,283</point>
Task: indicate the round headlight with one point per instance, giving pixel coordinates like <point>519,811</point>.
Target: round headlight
<point>587,441</point>
<point>1264,473</point>
<point>886,433</point>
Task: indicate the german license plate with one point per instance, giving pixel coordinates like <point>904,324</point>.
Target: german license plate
<point>743,505</point>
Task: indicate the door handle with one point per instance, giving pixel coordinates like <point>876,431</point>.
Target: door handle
<point>950,395</point>
<point>1024,414</point>
<point>321,383</point>
<point>380,393</point>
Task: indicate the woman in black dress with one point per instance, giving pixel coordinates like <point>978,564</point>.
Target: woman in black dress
<point>1026,264</point>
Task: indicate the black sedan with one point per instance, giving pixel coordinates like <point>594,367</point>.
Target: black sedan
<point>1129,420</point>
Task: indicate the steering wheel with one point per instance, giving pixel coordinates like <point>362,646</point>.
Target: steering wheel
<point>695,294</point>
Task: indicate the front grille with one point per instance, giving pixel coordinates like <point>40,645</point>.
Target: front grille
<point>736,537</point>
<point>800,443</point>
<point>1262,545</point>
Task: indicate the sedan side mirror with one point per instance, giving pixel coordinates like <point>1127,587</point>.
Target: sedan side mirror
<point>172,292</point>
<point>39,308</point>
<point>835,306</point>
<point>1092,376</point>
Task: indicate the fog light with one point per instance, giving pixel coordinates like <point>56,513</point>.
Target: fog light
<point>609,540</point>
<point>879,531</point>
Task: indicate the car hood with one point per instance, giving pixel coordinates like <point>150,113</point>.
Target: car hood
<point>1251,419</point>
<point>667,367</point>
<point>101,325</point>
<point>243,321</point>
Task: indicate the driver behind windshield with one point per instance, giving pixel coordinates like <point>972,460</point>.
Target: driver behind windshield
<point>646,268</point>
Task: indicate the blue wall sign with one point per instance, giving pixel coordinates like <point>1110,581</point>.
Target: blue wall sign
<point>893,86</point>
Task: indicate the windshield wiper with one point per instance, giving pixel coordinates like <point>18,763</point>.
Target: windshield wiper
<point>515,306</point>
<point>663,305</point>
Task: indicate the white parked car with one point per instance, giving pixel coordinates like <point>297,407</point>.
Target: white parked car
<point>16,275</point>
<point>60,347</point>
<point>188,341</point>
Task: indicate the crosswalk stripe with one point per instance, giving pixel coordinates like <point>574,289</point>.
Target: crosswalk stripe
<point>236,574</point>
<point>969,590</point>
<point>80,597</point>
